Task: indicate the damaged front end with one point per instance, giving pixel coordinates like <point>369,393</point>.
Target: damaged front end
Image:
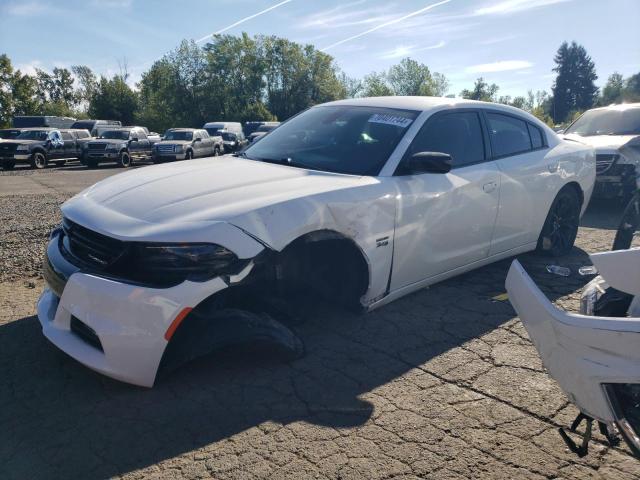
<point>595,359</point>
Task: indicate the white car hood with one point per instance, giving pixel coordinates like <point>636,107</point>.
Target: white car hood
<point>138,203</point>
<point>610,142</point>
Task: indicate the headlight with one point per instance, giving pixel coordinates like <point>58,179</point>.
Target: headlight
<point>179,262</point>
<point>178,148</point>
<point>22,148</point>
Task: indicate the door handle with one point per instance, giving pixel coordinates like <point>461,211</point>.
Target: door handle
<point>489,187</point>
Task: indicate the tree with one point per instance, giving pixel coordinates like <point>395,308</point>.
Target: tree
<point>632,89</point>
<point>6,98</point>
<point>114,100</point>
<point>574,88</point>
<point>481,91</point>
<point>352,86</point>
<point>88,83</point>
<point>411,78</point>
<point>375,85</point>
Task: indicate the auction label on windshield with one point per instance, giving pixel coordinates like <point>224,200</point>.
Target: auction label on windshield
<point>397,121</point>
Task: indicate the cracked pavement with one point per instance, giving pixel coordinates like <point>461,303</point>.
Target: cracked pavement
<point>443,383</point>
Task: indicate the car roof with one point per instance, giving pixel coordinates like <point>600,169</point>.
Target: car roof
<point>183,129</point>
<point>619,106</point>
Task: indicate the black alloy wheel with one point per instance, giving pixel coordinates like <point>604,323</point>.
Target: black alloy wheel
<point>561,226</point>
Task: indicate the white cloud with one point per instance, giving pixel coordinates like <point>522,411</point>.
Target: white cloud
<point>26,9</point>
<point>501,66</point>
<point>386,24</point>
<point>512,6</point>
<point>342,17</point>
<point>402,51</point>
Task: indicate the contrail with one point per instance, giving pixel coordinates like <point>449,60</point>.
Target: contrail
<point>386,24</point>
<point>243,20</point>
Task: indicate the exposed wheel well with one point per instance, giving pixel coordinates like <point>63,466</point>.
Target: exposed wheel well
<point>578,190</point>
<point>327,264</point>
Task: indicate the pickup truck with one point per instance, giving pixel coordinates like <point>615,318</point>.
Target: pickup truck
<point>121,145</point>
<point>185,144</point>
<point>39,146</point>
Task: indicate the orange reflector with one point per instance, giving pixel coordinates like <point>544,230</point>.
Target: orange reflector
<point>176,323</point>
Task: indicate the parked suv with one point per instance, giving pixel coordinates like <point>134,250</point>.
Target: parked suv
<point>120,145</point>
<point>262,130</point>
<point>185,144</point>
<point>614,132</point>
<point>39,146</point>
<point>49,121</point>
<point>215,128</point>
<point>92,125</point>
<point>233,141</point>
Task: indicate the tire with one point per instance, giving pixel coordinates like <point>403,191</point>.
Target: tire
<point>629,225</point>
<point>216,152</point>
<point>8,165</point>
<point>91,163</point>
<point>125,160</point>
<point>561,225</point>
<point>189,155</point>
<point>39,161</point>
<point>60,163</point>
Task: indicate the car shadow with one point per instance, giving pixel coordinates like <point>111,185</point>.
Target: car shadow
<point>60,419</point>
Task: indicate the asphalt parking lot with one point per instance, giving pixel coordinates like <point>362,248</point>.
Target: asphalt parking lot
<point>443,383</point>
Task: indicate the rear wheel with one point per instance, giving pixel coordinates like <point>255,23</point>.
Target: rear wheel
<point>216,152</point>
<point>38,160</point>
<point>8,165</point>
<point>189,155</point>
<point>561,226</point>
<point>125,160</point>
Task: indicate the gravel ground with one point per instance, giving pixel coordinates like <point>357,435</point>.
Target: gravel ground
<point>443,383</point>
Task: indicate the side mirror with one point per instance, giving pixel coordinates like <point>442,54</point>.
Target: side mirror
<point>426,162</point>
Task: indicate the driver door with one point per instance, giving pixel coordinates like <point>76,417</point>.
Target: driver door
<point>446,221</point>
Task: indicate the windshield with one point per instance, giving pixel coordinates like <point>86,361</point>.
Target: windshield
<point>178,135</point>
<point>265,128</point>
<point>230,137</point>
<point>343,139</point>
<point>607,122</point>
<point>9,133</point>
<point>213,131</point>
<point>116,134</point>
<point>83,125</point>
<point>33,135</point>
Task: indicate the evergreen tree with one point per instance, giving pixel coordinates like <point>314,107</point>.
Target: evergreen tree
<point>574,88</point>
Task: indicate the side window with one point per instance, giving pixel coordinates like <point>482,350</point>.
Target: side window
<point>458,134</point>
<point>536,136</point>
<point>204,134</point>
<point>141,135</point>
<point>66,136</point>
<point>509,135</point>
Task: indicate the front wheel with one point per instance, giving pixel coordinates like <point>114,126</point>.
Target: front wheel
<point>561,226</point>
<point>216,152</point>
<point>39,161</point>
<point>125,160</point>
<point>189,155</point>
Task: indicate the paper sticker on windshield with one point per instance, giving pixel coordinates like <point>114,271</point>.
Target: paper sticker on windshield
<point>394,120</point>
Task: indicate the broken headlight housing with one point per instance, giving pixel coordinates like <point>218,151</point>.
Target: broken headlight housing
<point>174,263</point>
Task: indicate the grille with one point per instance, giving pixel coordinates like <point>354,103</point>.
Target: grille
<point>604,162</point>
<point>97,146</point>
<point>86,333</point>
<point>165,148</point>
<point>92,248</point>
<point>8,147</point>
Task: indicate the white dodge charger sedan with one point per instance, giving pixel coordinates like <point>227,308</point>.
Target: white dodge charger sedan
<point>357,201</point>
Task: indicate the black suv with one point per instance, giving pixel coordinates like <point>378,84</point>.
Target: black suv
<point>39,146</point>
<point>120,145</point>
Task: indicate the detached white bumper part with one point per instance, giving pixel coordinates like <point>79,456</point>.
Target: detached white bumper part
<point>582,353</point>
<point>129,321</point>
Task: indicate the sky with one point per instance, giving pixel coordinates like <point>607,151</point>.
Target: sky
<point>508,42</point>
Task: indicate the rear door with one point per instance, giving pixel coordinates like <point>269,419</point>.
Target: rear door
<point>529,179</point>
<point>446,221</point>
